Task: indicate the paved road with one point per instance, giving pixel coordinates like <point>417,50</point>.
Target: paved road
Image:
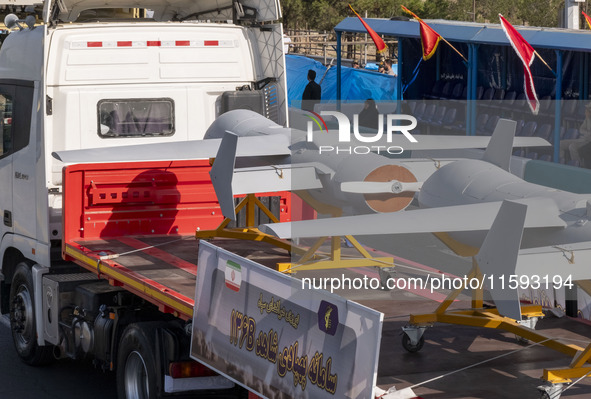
<point>62,380</point>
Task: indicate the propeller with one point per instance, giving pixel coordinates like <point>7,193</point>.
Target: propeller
<point>377,187</point>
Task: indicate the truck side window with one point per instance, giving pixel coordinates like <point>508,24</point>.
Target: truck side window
<point>16,102</point>
<point>135,117</point>
<point>6,123</point>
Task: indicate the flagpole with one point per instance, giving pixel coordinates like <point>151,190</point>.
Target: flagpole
<point>455,49</point>
<point>442,38</point>
<point>545,63</point>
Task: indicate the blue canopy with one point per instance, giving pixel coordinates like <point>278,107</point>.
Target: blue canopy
<point>469,32</point>
<point>358,84</point>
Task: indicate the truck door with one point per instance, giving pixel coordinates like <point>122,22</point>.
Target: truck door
<point>25,211</point>
<point>6,147</point>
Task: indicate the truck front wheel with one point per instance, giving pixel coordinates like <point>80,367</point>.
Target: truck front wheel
<point>22,318</point>
<point>137,371</point>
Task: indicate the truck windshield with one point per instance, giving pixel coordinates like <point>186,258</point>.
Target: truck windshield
<point>135,117</point>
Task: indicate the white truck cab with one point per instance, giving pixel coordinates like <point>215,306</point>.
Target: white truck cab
<point>84,81</point>
<point>89,78</point>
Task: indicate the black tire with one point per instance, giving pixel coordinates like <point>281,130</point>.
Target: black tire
<point>406,344</point>
<point>22,319</point>
<point>137,372</point>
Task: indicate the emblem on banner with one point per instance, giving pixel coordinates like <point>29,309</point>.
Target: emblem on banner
<point>328,317</point>
<point>233,275</point>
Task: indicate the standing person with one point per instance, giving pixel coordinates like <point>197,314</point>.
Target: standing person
<point>312,92</point>
<point>286,43</point>
<point>369,117</point>
<point>388,68</point>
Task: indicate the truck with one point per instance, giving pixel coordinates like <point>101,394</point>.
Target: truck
<point>87,80</point>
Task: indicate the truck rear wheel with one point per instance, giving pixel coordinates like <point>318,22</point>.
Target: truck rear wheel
<point>22,319</point>
<point>137,370</point>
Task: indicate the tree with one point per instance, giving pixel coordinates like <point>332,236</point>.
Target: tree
<point>293,13</point>
<point>326,14</point>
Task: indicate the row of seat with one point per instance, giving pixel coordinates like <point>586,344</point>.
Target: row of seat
<point>433,115</point>
<point>448,89</point>
<point>544,157</point>
<point>437,114</point>
<point>511,101</point>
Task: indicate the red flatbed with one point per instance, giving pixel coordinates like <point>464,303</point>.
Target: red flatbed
<point>134,224</point>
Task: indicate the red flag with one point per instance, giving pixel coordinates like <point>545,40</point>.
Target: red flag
<point>372,33</point>
<point>587,18</point>
<point>526,53</point>
<point>429,38</point>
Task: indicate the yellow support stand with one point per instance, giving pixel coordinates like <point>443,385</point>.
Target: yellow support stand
<point>335,259</point>
<point>250,232</point>
<point>478,316</point>
<point>310,259</point>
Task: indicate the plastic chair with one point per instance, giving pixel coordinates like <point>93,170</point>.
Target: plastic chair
<point>499,95</point>
<point>510,97</point>
<point>491,124</point>
<point>438,115</point>
<point>519,153</point>
<point>450,117</point>
<point>571,134</point>
<point>429,113</point>
<point>457,91</point>
<point>481,120</point>
<point>488,94</point>
<point>545,132</point>
<point>519,127</point>
<point>479,92</point>
<point>545,157</point>
<point>545,103</point>
<point>437,88</point>
<point>529,129</point>
<point>419,110</point>
<point>569,108</point>
<point>446,90</point>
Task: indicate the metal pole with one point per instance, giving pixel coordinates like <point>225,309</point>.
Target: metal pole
<point>581,74</point>
<point>324,47</point>
<point>338,71</point>
<point>437,66</point>
<point>473,108</point>
<point>365,45</point>
<point>399,95</point>
<point>557,108</point>
<point>586,76</point>
<point>470,92</point>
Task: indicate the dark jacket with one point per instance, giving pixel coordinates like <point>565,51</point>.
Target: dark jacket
<point>369,117</point>
<point>311,96</point>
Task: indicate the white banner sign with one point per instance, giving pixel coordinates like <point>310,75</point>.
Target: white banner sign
<point>262,329</point>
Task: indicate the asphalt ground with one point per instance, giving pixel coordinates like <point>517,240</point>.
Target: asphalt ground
<point>66,379</point>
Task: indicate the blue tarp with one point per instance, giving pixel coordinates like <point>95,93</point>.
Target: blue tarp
<point>357,84</point>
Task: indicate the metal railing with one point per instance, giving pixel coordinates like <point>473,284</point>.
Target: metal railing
<point>323,45</point>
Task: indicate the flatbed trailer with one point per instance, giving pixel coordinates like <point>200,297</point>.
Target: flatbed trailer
<point>135,225</point>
